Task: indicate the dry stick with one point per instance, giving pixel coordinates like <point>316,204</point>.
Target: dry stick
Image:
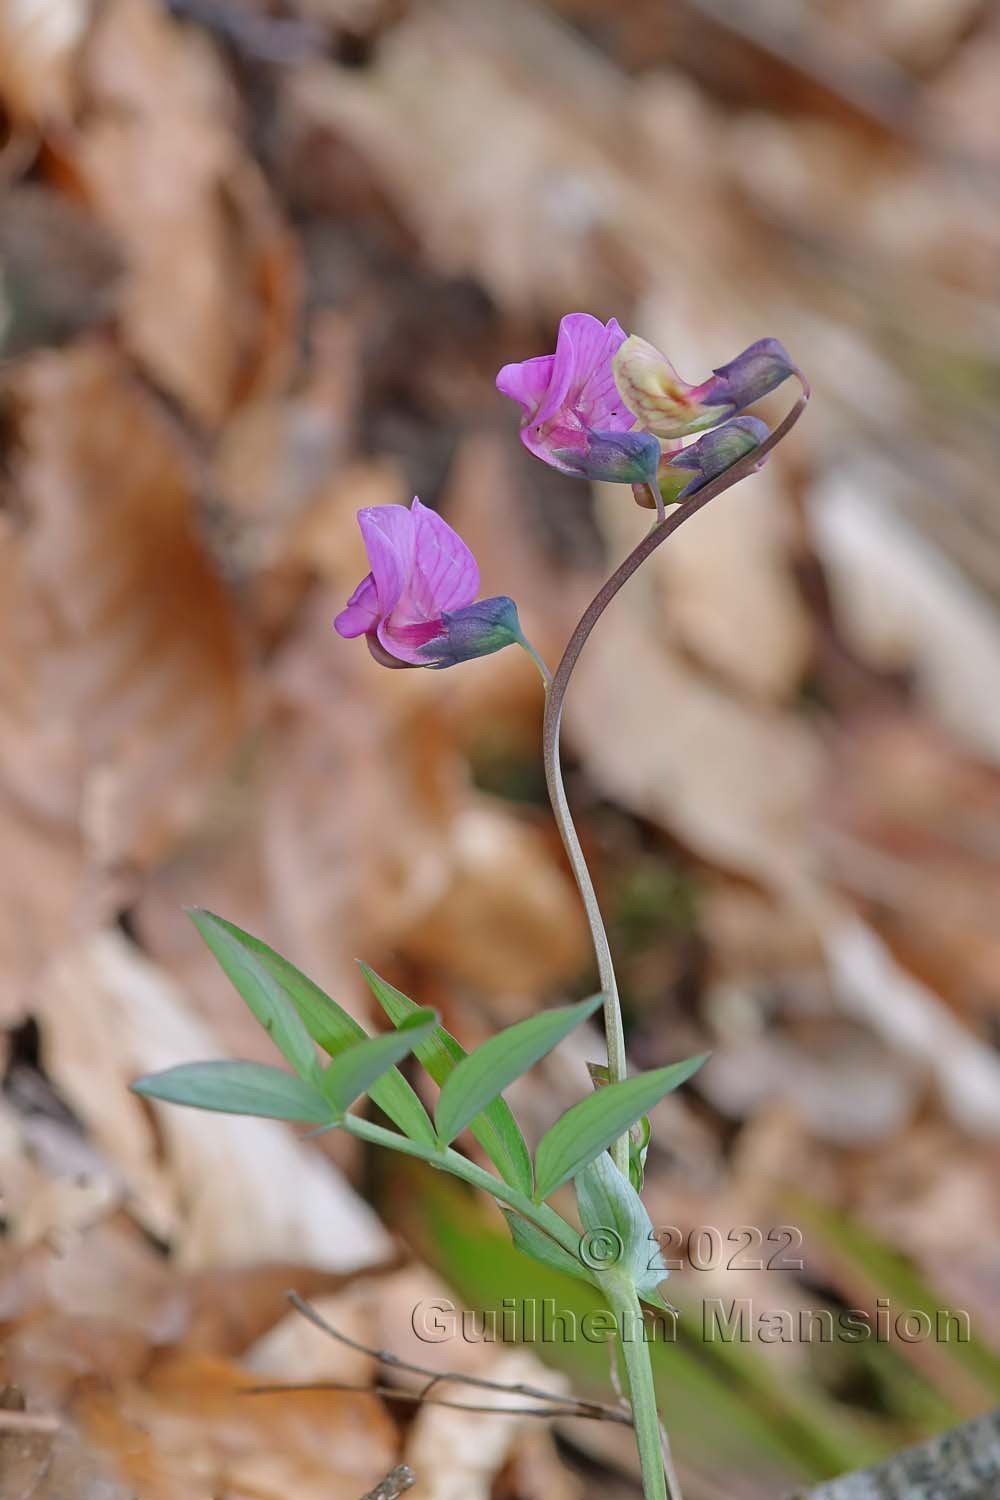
<point>598,1410</point>
<point>583,1409</point>
<point>554,698</point>
<point>392,1486</point>
<point>28,1421</point>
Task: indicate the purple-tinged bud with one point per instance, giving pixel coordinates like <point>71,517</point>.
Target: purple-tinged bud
<point>477,630</point>
<point>714,453</point>
<point>615,457</point>
<point>751,375</point>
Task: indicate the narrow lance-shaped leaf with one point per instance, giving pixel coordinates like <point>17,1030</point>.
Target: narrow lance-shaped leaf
<point>238,1088</point>
<point>495,1129</point>
<point>330,1026</point>
<point>353,1072</point>
<point>485,1073</point>
<point>262,993</point>
<point>587,1129</point>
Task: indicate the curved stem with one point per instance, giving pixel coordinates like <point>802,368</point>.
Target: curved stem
<point>617,1065</point>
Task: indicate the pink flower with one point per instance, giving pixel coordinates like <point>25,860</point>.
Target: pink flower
<point>417,607</point>
<point>572,415</point>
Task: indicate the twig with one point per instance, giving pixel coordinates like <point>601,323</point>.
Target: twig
<point>28,1421</point>
<point>581,1407</point>
<point>570,1408</point>
<point>392,1486</point>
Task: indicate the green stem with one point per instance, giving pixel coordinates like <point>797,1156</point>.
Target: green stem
<point>537,659</point>
<point>555,697</point>
<point>447,1160</point>
<point>642,1393</point>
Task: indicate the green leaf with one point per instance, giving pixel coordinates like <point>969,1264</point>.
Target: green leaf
<point>262,993</point>
<point>638,1136</point>
<point>618,1232</point>
<point>495,1129</point>
<point>485,1073</point>
<point>328,1024</point>
<point>533,1242</point>
<point>589,1128</point>
<point>353,1072</point>
<point>237,1088</point>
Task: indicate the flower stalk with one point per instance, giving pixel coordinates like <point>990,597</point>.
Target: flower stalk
<point>555,698</point>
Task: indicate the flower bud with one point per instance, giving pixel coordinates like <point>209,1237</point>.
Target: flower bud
<point>477,630</point>
<point>616,457</point>
<point>714,453</point>
<point>759,369</point>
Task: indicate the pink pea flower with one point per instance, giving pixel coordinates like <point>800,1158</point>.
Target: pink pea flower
<point>417,607</point>
<point>572,415</point>
<point>666,405</point>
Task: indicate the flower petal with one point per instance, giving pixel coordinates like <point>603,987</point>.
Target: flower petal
<point>582,378</point>
<point>388,531</point>
<point>404,638</point>
<point>445,574</point>
<point>663,403</point>
<point>360,613</point>
<point>527,382</point>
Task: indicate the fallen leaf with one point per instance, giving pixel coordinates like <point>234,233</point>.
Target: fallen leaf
<point>223,1190</point>
<point>40,42</point>
<point>725,590</point>
<point>734,781</point>
<point>191,1431</point>
<point>123,692</point>
<point>210,302</point>
<point>902,604</point>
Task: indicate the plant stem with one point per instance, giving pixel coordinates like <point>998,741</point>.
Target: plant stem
<point>537,659</point>
<point>555,697</point>
<point>447,1160</point>
<point>642,1393</point>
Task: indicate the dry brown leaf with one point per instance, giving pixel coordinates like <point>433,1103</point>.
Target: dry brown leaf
<point>43,1466</point>
<point>190,1431</point>
<point>875,989</point>
<point>902,604</point>
<point>725,588</point>
<point>295,1350</point>
<point>839,1084</point>
<point>439,66</point>
<point>122,691</point>
<point>211,300</point>
<point>508,919</point>
<point>222,1190</point>
<point>39,46</point>
<point>910,830</point>
<point>360,789</point>
<point>45,899</point>
<point>735,782</point>
<point>457,1457</point>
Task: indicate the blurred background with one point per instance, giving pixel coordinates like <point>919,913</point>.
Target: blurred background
<point>259,265</point>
